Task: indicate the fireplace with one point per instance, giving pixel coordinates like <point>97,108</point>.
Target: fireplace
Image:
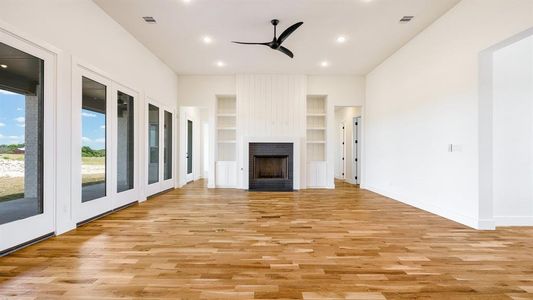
<point>271,166</point>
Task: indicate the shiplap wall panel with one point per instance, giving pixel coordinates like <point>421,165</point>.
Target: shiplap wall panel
<point>271,106</point>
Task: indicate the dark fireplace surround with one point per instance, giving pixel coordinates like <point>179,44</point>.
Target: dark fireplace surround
<point>271,167</point>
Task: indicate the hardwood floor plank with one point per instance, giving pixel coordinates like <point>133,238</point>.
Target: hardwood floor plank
<point>346,243</point>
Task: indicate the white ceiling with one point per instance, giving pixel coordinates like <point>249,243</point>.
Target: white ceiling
<point>371,27</point>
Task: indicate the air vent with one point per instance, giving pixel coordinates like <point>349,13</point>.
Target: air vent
<point>149,20</point>
<point>406,19</point>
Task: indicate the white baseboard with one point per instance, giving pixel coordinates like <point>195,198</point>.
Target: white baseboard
<point>486,224</point>
<point>504,221</point>
<point>431,208</point>
<point>64,228</point>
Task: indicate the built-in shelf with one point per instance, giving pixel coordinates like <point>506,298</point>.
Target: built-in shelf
<point>316,142</point>
<point>226,139</point>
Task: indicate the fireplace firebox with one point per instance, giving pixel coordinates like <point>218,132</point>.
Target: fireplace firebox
<point>271,166</point>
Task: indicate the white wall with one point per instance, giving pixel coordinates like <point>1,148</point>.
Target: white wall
<point>201,90</point>
<point>341,90</point>
<point>513,134</point>
<point>345,115</point>
<point>425,97</point>
<point>82,31</point>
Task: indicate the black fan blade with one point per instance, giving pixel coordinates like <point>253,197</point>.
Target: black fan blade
<point>246,43</point>
<point>286,51</point>
<point>288,32</point>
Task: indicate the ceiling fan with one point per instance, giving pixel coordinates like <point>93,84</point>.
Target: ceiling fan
<point>277,41</point>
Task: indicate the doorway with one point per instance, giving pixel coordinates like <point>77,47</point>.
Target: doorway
<point>195,151</point>
<point>160,127</point>
<point>506,133</point>
<point>347,144</point>
<point>27,160</point>
<point>190,149</point>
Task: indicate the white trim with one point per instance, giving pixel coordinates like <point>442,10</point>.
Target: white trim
<point>86,210</point>
<point>485,131</point>
<point>151,188</point>
<point>502,221</point>
<point>161,184</point>
<point>189,177</point>
<point>132,195</point>
<point>434,209</point>
<point>168,183</point>
<point>23,230</point>
<point>77,61</point>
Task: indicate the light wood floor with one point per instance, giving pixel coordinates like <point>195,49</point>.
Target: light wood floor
<point>226,244</point>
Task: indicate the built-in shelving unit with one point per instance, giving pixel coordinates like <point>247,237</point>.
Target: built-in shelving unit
<point>316,141</point>
<point>226,137</point>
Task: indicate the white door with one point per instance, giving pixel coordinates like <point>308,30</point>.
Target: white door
<point>189,159</point>
<point>106,144</point>
<point>27,139</point>
<point>168,149</point>
<point>93,160</point>
<point>160,149</point>
<point>127,137</point>
<point>356,149</point>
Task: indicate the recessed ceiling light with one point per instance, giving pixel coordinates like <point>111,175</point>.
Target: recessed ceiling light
<point>324,64</point>
<point>220,64</point>
<point>3,66</point>
<point>341,39</point>
<point>207,39</point>
<point>186,1</point>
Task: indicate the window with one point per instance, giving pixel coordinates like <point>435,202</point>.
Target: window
<point>125,142</point>
<point>168,146</point>
<point>93,150</point>
<point>153,144</point>
<point>21,134</point>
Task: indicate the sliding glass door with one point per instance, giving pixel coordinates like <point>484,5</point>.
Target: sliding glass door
<point>26,143</point>
<point>153,144</point>
<point>92,148</point>
<point>126,141</point>
<point>104,168</point>
<point>160,150</point>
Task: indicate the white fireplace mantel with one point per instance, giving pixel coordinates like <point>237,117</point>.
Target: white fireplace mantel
<point>296,156</point>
